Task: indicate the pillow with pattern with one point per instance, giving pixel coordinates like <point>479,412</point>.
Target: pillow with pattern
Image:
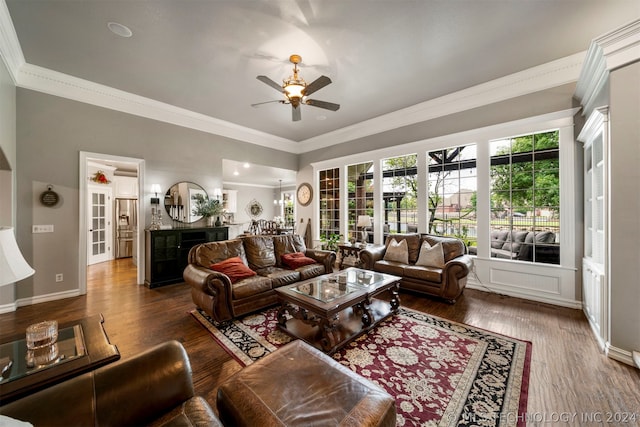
<point>296,259</point>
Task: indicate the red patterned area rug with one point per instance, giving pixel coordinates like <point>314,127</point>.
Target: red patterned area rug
<point>441,373</point>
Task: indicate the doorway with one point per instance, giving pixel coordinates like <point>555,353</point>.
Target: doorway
<point>96,220</point>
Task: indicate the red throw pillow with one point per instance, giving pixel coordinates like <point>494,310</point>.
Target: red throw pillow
<point>296,259</point>
<point>234,268</point>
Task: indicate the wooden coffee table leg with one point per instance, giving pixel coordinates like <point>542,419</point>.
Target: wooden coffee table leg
<point>328,328</point>
<point>395,299</point>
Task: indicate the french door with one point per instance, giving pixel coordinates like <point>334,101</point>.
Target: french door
<point>99,232</point>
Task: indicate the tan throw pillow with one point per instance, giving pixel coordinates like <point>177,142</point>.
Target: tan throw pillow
<point>398,252</point>
<point>431,256</point>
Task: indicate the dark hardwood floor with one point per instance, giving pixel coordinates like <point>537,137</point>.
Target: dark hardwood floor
<point>569,375</point>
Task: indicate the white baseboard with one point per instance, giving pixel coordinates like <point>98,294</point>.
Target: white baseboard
<point>23,302</point>
<point>620,355</point>
<point>8,308</point>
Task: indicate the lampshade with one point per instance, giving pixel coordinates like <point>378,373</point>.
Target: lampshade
<point>155,188</point>
<point>13,267</point>
<point>364,221</point>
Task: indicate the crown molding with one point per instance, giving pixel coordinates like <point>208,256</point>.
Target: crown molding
<point>545,76</point>
<point>10,49</point>
<point>612,50</point>
<point>59,84</point>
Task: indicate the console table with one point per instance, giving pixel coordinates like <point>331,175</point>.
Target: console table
<point>83,346</point>
<point>167,251</point>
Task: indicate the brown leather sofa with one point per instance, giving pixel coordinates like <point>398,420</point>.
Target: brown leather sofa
<point>223,300</point>
<point>153,387</point>
<point>446,283</point>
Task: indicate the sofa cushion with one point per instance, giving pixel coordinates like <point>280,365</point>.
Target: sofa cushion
<point>451,246</point>
<point>413,244</point>
<point>397,251</point>
<point>234,268</point>
<point>287,243</point>
<point>431,256</point>
<point>514,241</point>
<point>279,276</point>
<point>251,286</point>
<point>260,251</point>
<point>498,238</point>
<point>429,274</point>
<point>296,259</point>
<point>214,252</point>
<point>390,267</point>
<point>310,271</point>
<point>545,237</point>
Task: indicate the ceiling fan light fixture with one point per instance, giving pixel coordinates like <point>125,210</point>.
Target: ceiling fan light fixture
<point>293,89</point>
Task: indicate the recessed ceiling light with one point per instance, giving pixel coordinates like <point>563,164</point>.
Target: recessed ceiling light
<point>321,117</point>
<point>246,165</point>
<point>119,29</point>
<point>236,173</point>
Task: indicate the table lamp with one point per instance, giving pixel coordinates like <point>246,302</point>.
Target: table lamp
<point>13,268</point>
<point>363,222</point>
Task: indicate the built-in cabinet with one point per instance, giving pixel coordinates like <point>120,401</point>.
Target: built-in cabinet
<point>230,200</point>
<point>595,292</point>
<point>167,251</point>
<point>126,187</point>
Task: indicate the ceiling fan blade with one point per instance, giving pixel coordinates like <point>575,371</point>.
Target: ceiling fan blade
<point>323,104</point>
<point>267,102</point>
<point>296,113</point>
<point>317,84</point>
<point>267,80</point>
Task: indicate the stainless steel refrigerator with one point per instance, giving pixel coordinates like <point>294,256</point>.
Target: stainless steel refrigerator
<point>126,216</point>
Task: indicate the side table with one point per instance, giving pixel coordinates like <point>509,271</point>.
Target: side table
<point>83,345</point>
<point>347,249</point>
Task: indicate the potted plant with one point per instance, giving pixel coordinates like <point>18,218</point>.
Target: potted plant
<point>330,242</point>
<point>207,208</point>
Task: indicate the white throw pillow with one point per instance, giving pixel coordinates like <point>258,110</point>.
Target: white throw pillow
<point>431,256</point>
<point>398,252</point>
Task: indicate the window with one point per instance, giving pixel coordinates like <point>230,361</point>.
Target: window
<point>452,193</point>
<point>525,197</point>
<point>400,194</point>
<point>360,198</point>
<point>329,202</point>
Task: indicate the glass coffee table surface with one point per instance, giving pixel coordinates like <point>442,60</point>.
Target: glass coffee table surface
<point>338,285</point>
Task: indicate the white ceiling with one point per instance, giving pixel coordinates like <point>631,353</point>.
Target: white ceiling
<point>382,55</point>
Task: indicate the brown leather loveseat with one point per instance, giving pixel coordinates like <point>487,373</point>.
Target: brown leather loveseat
<point>153,387</point>
<point>261,269</point>
<point>446,281</point>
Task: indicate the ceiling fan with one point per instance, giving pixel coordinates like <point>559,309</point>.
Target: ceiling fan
<point>296,91</point>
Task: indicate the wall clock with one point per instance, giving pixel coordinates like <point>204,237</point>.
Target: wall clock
<point>304,194</point>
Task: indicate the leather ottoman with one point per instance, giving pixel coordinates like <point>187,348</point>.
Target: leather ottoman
<point>298,385</point>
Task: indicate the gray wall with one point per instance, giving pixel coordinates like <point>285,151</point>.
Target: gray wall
<point>51,132</point>
<point>624,267</point>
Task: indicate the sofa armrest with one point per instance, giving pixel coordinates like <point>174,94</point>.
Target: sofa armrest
<point>371,254</point>
<point>326,258</point>
<point>455,274</point>
<point>211,291</point>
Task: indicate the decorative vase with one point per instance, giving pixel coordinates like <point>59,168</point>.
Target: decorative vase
<point>218,222</point>
<point>210,221</point>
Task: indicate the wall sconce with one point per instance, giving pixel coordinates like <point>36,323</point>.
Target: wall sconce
<point>217,193</point>
<point>155,188</point>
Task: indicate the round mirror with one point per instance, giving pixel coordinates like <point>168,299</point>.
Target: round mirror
<point>178,201</point>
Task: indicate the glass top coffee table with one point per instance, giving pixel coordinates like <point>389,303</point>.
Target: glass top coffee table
<point>331,310</point>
